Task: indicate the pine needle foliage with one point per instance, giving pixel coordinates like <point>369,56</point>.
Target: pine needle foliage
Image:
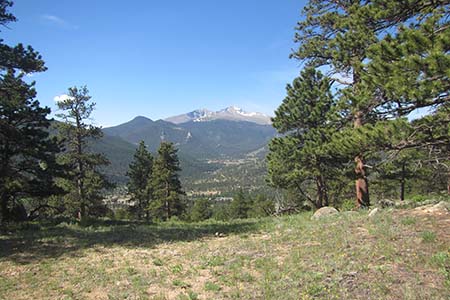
<point>139,186</point>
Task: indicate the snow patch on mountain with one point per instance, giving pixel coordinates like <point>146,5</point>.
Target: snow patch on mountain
<point>232,113</point>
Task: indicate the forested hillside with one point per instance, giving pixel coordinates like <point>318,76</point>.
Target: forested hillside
<point>206,150</point>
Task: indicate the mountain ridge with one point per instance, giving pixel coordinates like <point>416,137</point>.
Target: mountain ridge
<point>231,113</point>
<point>217,154</point>
<point>213,139</point>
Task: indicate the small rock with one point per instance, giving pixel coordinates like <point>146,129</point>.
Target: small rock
<point>323,212</point>
<point>427,202</point>
<point>374,212</point>
<point>441,206</point>
<point>423,207</point>
<point>386,203</point>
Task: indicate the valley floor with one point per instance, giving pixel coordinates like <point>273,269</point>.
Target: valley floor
<point>399,254</point>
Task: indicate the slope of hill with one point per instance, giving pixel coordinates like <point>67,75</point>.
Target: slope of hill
<point>200,140</point>
<point>231,113</point>
<point>248,173</point>
<point>205,150</point>
<point>119,153</point>
<point>399,254</point>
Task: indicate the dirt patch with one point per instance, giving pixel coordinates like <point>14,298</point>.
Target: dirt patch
<point>431,218</point>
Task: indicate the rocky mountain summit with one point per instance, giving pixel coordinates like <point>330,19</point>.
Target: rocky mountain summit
<point>232,113</point>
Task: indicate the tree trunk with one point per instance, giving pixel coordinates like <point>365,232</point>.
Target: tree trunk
<point>402,183</point>
<point>168,210</point>
<point>448,182</point>
<point>362,185</point>
<point>80,183</point>
<point>81,195</point>
<point>325,191</point>
<point>4,207</point>
<point>319,196</point>
<point>167,201</point>
<point>4,198</point>
<point>139,208</point>
<point>322,195</point>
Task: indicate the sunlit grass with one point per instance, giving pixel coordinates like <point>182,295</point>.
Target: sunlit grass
<point>347,256</point>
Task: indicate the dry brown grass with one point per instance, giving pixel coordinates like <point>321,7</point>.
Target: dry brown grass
<point>403,254</point>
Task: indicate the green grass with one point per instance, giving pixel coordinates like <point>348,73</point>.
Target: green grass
<point>409,221</point>
<point>396,255</point>
<point>212,287</point>
<point>428,236</point>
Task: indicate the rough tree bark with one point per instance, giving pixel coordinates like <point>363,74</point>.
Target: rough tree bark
<point>322,194</point>
<point>402,183</point>
<point>167,201</point>
<point>4,207</point>
<point>361,184</point>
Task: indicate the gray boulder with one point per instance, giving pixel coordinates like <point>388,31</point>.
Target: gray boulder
<point>384,203</point>
<point>441,207</point>
<point>324,212</point>
<point>374,212</point>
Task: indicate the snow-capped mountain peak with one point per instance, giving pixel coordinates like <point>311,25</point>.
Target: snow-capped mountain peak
<point>233,109</point>
<point>199,113</point>
<point>231,113</point>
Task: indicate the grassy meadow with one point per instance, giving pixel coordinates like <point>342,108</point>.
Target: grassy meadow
<point>397,254</point>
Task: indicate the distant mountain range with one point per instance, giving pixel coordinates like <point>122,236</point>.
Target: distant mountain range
<point>205,139</point>
<point>231,113</point>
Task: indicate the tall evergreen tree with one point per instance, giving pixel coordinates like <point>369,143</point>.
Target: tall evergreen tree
<point>200,210</point>
<point>87,181</point>
<point>240,205</point>
<point>336,35</point>
<point>300,155</point>
<point>166,185</point>
<point>140,174</point>
<point>27,154</point>
<point>344,38</point>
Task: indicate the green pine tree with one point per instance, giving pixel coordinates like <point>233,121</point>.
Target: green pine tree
<point>201,210</point>
<point>27,153</point>
<point>261,207</point>
<point>401,168</point>
<point>240,205</point>
<point>336,35</point>
<point>384,68</point>
<point>409,67</point>
<point>86,181</point>
<point>140,174</point>
<point>167,191</point>
<point>304,120</point>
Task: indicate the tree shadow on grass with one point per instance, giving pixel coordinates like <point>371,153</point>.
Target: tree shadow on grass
<point>33,244</point>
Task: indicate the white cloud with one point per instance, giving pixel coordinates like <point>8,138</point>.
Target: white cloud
<point>62,97</point>
<point>58,21</point>
<point>54,19</point>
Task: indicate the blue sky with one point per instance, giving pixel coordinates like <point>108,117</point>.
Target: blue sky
<point>161,58</point>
